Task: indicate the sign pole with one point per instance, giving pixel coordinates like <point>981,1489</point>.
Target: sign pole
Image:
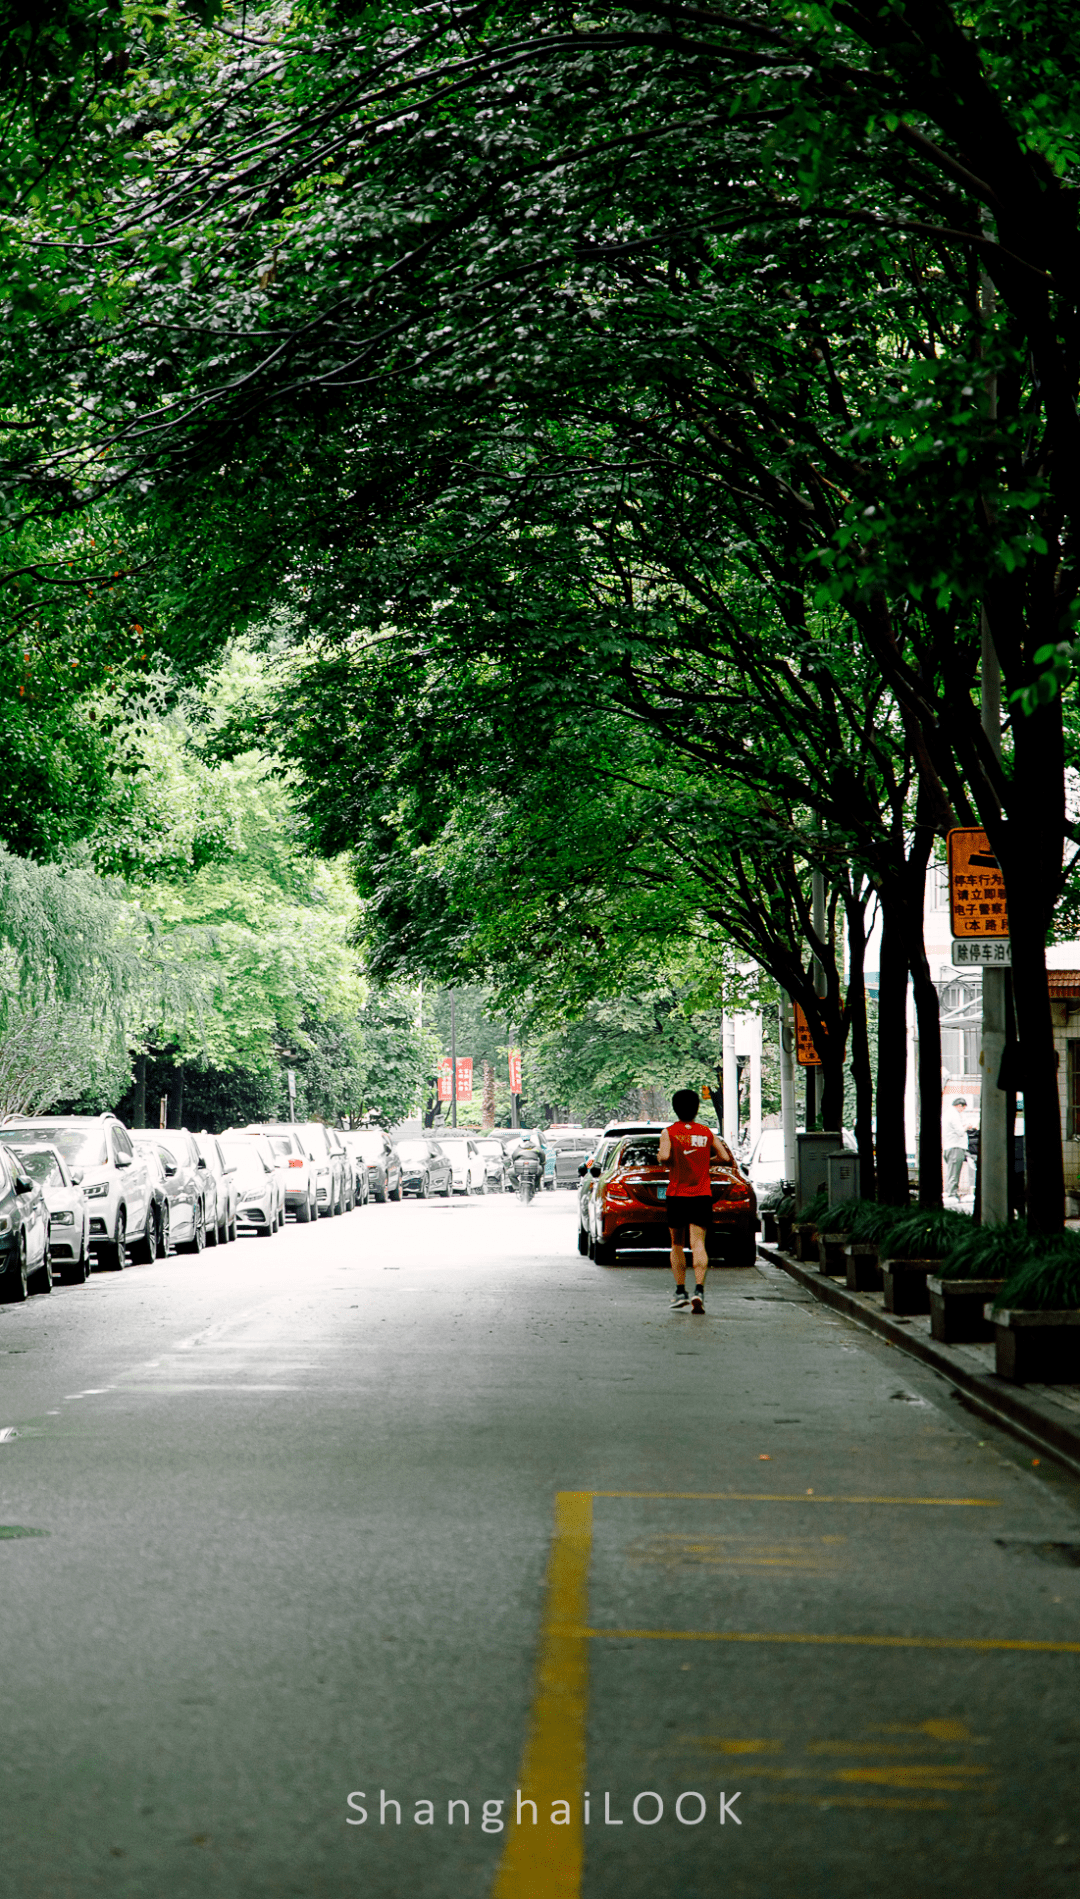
<point>453,1063</point>
<point>787,1084</point>
<point>994,1141</point>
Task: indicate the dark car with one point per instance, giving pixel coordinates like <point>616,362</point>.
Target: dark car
<point>571,1149</point>
<point>187,1182</point>
<point>424,1168</point>
<point>382,1160</point>
<point>630,1208</point>
<point>24,1231</point>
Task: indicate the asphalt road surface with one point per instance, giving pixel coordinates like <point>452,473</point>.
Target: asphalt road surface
<point>419,1507</point>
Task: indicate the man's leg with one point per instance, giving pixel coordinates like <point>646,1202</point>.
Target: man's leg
<point>678,1255</point>
<point>954,1160</point>
<point>701,1257</point>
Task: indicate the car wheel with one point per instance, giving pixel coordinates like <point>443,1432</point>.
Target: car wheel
<point>303,1212</point>
<point>744,1250</point>
<point>233,1228</point>
<point>198,1236</point>
<point>43,1277</point>
<point>603,1253</point>
<point>212,1233</point>
<point>13,1286</point>
<point>582,1240</point>
<point>467,1189</point>
<point>113,1259</point>
<point>164,1236</point>
<point>78,1272</point>
<point>424,1188</point>
<point>145,1249</point>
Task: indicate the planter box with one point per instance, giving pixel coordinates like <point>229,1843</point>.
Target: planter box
<point>784,1226</point>
<point>806,1244</point>
<point>830,1248</point>
<point>862,1267</point>
<point>904,1281</point>
<point>956,1309</point>
<point>769,1231</point>
<point>1040,1348</point>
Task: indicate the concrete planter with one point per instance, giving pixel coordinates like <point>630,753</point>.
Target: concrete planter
<point>904,1281</point>
<point>769,1231</point>
<point>806,1244</point>
<point>784,1230</point>
<point>956,1309</point>
<point>862,1267</point>
<point>1040,1348</point>
<point>830,1248</point>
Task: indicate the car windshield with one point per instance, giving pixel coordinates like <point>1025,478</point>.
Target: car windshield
<point>453,1149</point>
<point>491,1147</point>
<point>208,1151</point>
<point>80,1147</point>
<point>413,1150</point>
<point>369,1145</point>
<point>41,1166</point>
<point>640,1153</point>
<point>281,1143</point>
<point>245,1157</point>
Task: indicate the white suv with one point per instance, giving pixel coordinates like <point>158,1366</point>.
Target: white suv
<point>115,1181</point>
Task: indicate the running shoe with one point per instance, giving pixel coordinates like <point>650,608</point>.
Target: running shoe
<point>697,1303</point>
<point>681,1301</point>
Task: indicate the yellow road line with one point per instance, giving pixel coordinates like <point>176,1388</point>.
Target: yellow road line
<point>766,1496</point>
<point>833,1641</point>
<point>545,1861</point>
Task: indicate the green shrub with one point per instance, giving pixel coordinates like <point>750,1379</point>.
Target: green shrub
<point>987,1252</point>
<point>1047,1279</point>
<point>928,1233</point>
<point>810,1215</point>
<point>839,1217</point>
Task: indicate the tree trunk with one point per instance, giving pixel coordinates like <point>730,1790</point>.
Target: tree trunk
<point>928,1016</point>
<point>138,1108</point>
<point>860,1047</point>
<point>176,1101</point>
<point>892,1169</point>
<point>1038,1067</point>
<point>488,1111</point>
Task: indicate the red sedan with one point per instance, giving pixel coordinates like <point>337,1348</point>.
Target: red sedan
<point>630,1208</point>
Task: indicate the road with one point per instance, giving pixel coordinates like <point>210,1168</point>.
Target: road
<point>418,1505</point>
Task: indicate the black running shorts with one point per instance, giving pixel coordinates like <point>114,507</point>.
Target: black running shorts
<point>689,1209</point>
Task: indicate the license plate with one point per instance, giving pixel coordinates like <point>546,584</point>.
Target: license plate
<point>661,1193</point>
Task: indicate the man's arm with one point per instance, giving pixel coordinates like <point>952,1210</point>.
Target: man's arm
<point>718,1147</point>
<point>663,1152</point>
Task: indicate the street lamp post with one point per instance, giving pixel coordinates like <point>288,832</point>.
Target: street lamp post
<point>453,1063</point>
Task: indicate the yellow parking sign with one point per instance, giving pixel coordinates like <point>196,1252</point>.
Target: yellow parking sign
<point>976,887</point>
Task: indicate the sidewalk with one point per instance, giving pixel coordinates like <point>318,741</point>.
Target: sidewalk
<point>1045,1416</point>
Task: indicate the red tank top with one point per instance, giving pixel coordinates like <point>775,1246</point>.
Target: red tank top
<point>691,1155</point>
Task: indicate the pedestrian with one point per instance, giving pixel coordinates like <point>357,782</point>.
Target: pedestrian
<point>689,1147</point>
<point>954,1146</point>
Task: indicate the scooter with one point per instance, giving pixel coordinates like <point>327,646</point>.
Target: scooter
<point>527,1169</point>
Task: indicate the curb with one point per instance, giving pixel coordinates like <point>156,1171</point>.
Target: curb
<point>1036,1421</point>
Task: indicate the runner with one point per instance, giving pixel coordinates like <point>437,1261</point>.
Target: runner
<point>689,1146</point>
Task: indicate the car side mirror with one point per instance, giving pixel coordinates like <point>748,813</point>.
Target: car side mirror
<point>200,1162</point>
<point>595,1172</point>
<point>170,1169</point>
<point>582,1170</point>
<point>123,1160</point>
<point>23,1184</point>
<point>77,1177</point>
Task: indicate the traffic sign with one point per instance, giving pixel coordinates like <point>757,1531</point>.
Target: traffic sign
<point>985,952</point>
<point>805,1053</point>
<point>976,887</point>
<point>515,1071</point>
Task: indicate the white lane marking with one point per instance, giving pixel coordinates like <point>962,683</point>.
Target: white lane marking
<point>8,1433</point>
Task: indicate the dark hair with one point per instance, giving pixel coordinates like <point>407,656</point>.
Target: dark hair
<point>685,1103</point>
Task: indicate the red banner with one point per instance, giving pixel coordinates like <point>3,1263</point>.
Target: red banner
<point>515,1071</point>
<point>445,1079</point>
<point>464,1077</point>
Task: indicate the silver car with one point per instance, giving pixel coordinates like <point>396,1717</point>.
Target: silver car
<point>221,1218</point>
<point>260,1196</point>
<point>116,1183</point>
<point>69,1222</point>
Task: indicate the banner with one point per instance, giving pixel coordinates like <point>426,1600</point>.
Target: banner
<point>445,1079</point>
<point>464,1077</point>
<point>515,1071</point>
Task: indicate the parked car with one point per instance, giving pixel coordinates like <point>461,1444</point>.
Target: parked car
<point>336,1144</point>
<point>115,1181</point>
<point>629,1206</point>
<point>327,1157</point>
<point>500,1174</point>
<point>260,1195</point>
<point>425,1169</point>
<point>221,1216</point>
<point>291,1149</point>
<point>765,1168</point>
<point>383,1163</point>
<point>24,1231</point>
<point>469,1174</point>
<point>361,1183</point>
<point>590,1170</point>
<point>571,1150</point>
<point>159,1188</point>
<point>69,1223</point>
<point>187,1184</point>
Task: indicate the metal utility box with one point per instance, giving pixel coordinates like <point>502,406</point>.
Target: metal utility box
<point>842,1175</point>
<point>812,1151</point>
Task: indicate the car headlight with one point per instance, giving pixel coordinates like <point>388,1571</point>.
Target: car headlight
<point>65,1217</point>
<point>98,1191</point>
